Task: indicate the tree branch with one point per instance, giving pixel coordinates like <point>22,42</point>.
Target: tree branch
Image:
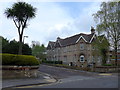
<point>24,25</point>
<point>18,26</point>
<point>15,22</point>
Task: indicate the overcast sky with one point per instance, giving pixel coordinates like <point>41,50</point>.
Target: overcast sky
<point>52,19</point>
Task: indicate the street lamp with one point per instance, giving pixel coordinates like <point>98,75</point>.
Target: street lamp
<point>24,38</point>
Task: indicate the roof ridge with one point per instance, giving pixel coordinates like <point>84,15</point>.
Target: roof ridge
<point>72,39</point>
<point>52,41</point>
<point>75,35</point>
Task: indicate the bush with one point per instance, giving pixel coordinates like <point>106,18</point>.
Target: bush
<point>19,60</point>
<point>107,64</point>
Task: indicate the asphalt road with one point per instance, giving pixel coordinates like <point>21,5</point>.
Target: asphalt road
<point>70,78</point>
<point>59,72</point>
<point>106,82</point>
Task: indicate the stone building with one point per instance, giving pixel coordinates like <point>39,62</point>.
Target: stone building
<point>75,50</point>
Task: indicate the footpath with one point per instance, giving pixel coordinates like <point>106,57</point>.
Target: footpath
<point>42,79</point>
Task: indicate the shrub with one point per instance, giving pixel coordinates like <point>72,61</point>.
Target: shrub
<point>107,64</point>
<point>19,60</point>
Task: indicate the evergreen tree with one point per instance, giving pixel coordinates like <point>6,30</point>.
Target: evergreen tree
<point>20,13</point>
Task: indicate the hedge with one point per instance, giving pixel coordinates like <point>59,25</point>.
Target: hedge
<point>19,60</point>
<point>107,64</point>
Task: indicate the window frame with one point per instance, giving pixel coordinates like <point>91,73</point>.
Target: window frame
<point>82,56</point>
<point>82,46</point>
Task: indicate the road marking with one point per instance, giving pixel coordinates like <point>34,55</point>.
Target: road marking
<point>51,80</point>
<point>31,86</point>
<point>25,86</point>
<point>106,74</point>
<point>46,77</point>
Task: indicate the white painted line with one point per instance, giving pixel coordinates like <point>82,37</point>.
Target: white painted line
<point>46,77</point>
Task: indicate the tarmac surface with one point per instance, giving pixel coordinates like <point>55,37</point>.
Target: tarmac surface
<point>43,79</point>
<point>58,77</point>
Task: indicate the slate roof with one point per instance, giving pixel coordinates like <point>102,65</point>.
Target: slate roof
<point>73,39</point>
<point>70,40</point>
<point>51,45</point>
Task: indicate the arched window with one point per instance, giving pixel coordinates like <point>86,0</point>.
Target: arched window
<point>82,58</point>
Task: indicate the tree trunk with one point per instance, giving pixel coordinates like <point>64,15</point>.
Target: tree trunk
<point>20,45</point>
<point>116,55</point>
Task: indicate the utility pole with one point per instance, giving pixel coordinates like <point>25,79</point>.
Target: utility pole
<point>24,38</point>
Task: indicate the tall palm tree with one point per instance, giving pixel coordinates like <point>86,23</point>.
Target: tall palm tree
<point>20,13</point>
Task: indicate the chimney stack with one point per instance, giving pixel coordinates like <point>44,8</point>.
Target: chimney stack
<point>92,30</point>
<point>58,38</point>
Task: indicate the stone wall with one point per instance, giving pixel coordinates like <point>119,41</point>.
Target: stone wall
<point>107,69</point>
<point>71,54</point>
<point>14,72</point>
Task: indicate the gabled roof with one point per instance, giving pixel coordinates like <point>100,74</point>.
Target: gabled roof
<point>57,44</point>
<point>69,40</point>
<point>86,37</point>
<point>101,38</point>
<point>51,45</point>
<point>73,40</point>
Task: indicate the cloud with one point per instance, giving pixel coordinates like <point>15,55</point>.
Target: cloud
<point>80,24</point>
<point>85,19</point>
<point>57,0</point>
<point>51,21</point>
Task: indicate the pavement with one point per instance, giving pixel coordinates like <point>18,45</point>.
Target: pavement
<point>42,79</point>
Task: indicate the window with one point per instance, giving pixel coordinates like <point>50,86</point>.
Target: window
<point>53,50</point>
<point>81,46</point>
<point>65,58</point>
<point>64,49</point>
<point>88,48</point>
<point>93,58</point>
<point>82,58</point>
<point>70,48</point>
<point>93,48</point>
<point>99,59</point>
<point>75,47</point>
<point>52,58</point>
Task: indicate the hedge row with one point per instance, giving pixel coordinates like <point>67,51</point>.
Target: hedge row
<point>19,60</point>
<point>107,65</point>
<point>52,62</point>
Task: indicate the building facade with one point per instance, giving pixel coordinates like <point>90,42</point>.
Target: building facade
<point>76,50</point>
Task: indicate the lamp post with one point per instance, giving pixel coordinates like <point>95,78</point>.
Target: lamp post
<point>24,38</point>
